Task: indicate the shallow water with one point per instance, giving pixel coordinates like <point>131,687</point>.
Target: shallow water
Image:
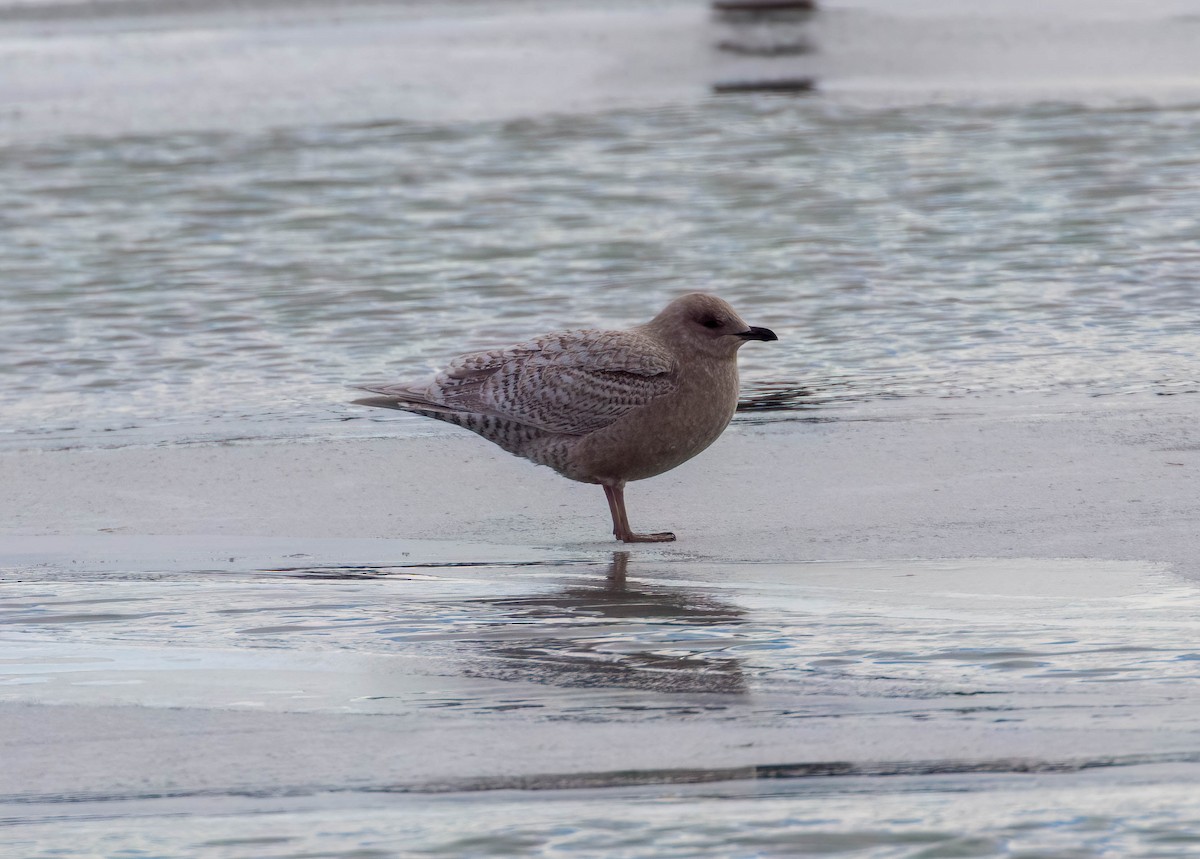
<point>229,283</point>
<point>1015,816</point>
<point>915,709</point>
<point>797,626</point>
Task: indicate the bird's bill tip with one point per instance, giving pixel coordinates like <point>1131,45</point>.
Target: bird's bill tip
<point>756,333</point>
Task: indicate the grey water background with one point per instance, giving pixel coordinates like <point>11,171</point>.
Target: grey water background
<point>230,283</point>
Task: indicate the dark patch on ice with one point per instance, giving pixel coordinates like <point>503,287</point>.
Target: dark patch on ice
<point>811,395</point>
<point>372,571</point>
<point>635,778</point>
<point>792,771</point>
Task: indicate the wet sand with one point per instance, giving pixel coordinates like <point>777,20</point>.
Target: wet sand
<point>1109,478</point>
<point>230,636</point>
<point>280,703</point>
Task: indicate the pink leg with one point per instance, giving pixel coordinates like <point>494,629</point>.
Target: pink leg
<point>621,530</point>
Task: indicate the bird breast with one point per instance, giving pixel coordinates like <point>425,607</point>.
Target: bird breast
<point>665,432</point>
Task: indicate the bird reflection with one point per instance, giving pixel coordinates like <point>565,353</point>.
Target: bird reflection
<point>766,37</point>
<point>619,634</point>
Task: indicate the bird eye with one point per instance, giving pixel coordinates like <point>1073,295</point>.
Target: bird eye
<point>710,322</point>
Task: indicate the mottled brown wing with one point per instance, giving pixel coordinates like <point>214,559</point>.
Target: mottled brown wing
<point>573,383</point>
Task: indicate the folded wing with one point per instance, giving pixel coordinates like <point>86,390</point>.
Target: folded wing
<point>573,383</point>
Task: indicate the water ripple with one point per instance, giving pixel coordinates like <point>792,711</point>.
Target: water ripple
<point>219,275</point>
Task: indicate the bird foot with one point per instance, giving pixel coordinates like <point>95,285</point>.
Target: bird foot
<point>660,537</point>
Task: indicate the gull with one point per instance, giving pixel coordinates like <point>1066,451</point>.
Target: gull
<point>598,406</point>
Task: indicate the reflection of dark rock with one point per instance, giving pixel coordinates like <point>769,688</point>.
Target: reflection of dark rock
<point>763,6</point>
<point>766,29</point>
<point>608,634</point>
<point>783,20</point>
<point>767,85</point>
<point>767,39</point>
<point>752,47</point>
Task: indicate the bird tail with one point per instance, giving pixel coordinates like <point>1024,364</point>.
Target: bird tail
<point>402,398</point>
<point>509,434</point>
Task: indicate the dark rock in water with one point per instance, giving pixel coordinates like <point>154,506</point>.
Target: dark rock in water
<point>767,85</point>
<point>763,5</point>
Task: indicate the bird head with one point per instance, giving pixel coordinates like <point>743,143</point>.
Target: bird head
<point>707,324</point>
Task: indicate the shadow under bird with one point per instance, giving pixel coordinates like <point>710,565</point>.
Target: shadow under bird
<point>598,406</point>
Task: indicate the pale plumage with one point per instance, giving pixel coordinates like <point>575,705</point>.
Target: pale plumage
<point>573,382</point>
<point>598,406</point>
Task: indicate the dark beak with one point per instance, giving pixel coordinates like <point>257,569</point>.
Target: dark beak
<point>754,333</point>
